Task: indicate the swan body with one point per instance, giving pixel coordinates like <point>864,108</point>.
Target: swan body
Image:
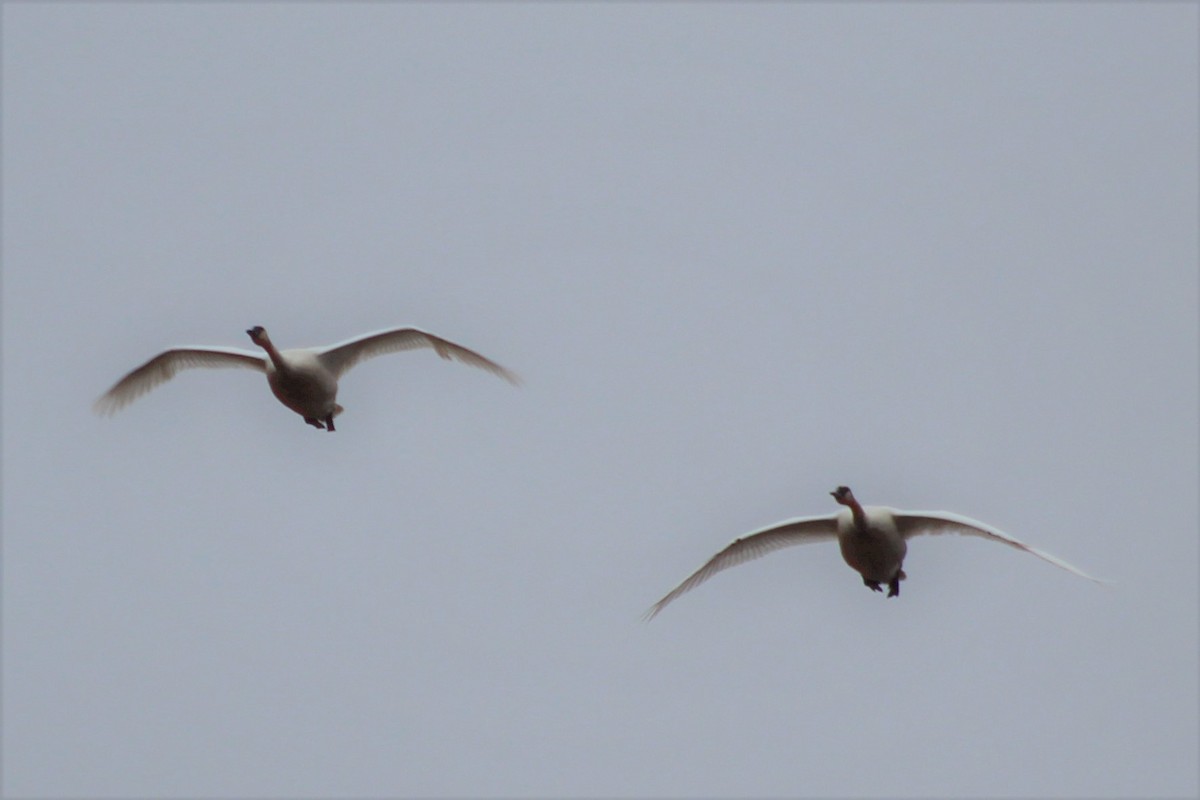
<point>873,541</point>
<point>304,380</point>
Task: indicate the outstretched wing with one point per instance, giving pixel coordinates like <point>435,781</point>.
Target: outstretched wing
<point>342,356</point>
<point>914,523</point>
<point>163,367</point>
<point>754,544</point>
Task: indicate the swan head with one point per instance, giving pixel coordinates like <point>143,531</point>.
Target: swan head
<point>843,495</point>
<point>258,335</point>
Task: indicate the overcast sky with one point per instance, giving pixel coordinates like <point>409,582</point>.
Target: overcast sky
<point>741,254</point>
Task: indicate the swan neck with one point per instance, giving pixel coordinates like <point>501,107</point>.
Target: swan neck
<point>275,356</point>
<point>860,516</point>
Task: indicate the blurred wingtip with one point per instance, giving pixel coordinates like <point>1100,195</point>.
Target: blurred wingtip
<point>104,406</point>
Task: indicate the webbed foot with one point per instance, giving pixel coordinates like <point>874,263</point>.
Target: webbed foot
<point>316,423</point>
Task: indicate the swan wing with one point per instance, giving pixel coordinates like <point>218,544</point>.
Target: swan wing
<point>753,545</point>
<point>915,523</point>
<point>340,357</point>
<point>163,367</point>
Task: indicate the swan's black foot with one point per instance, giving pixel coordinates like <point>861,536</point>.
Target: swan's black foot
<point>872,585</point>
<point>329,422</point>
<point>894,584</point>
<point>316,423</point>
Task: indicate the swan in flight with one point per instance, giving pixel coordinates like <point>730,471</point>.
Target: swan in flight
<point>306,381</point>
<point>873,540</point>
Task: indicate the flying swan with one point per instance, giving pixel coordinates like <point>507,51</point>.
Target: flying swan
<point>872,539</point>
<point>305,380</point>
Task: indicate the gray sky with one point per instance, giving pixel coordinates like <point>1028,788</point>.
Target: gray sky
<point>943,253</point>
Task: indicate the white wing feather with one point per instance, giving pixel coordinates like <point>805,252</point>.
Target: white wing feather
<point>163,367</point>
<point>340,357</point>
<point>915,523</point>
<point>752,545</point>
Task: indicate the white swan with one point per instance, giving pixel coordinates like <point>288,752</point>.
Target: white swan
<point>872,539</point>
<point>306,381</point>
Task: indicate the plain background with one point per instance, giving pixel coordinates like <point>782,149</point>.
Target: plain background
<point>741,254</point>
